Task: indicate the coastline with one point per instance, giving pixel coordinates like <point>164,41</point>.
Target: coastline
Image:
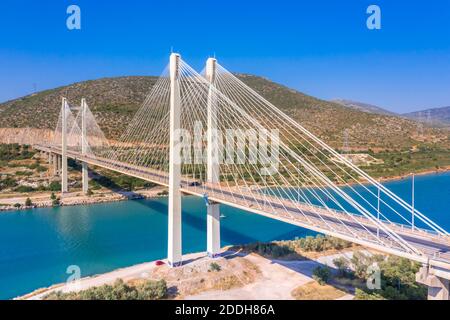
<point>265,277</point>
<point>77,198</point>
<point>418,173</point>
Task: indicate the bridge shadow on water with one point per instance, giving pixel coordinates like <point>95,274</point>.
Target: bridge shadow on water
<point>228,235</point>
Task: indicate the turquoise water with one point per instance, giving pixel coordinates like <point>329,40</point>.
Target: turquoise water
<point>37,246</point>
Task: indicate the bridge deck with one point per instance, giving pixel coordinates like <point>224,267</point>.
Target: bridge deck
<point>435,249</point>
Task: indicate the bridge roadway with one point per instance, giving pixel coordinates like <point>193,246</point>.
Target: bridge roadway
<point>435,249</point>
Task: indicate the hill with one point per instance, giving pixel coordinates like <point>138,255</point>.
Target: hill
<point>435,116</point>
<point>365,107</point>
<point>114,101</point>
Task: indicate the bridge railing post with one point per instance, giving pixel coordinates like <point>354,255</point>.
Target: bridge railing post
<point>174,254</point>
<point>213,209</point>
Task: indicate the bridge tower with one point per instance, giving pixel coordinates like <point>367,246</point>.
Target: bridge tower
<point>64,184</point>
<point>84,165</point>
<point>174,255</point>
<point>213,209</point>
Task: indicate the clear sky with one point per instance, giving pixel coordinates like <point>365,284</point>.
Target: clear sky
<point>320,47</point>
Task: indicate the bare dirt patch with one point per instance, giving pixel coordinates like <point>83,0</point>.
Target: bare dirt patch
<point>199,276</point>
<point>314,291</point>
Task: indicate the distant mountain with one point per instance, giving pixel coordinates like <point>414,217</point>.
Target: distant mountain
<point>114,101</point>
<point>435,116</point>
<point>364,107</point>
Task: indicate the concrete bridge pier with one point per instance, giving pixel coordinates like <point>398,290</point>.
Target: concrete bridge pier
<point>437,281</point>
<point>85,177</point>
<point>55,163</point>
<point>84,165</point>
<point>174,254</point>
<point>64,180</point>
<point>59,164</point>
<point>213,169</point>
<point>49,158</point>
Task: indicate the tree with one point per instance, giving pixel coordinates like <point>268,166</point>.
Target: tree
<point>17,205</point>
<point>342,264</point>
<point>322,274</point>
<point>28,202</point>
<point>55,186</point>
<point>53,196</point>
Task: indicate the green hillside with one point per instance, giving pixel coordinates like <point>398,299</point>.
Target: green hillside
<point>115,100</point>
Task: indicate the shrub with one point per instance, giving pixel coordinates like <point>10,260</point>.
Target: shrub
<point>7,183</point>
<point>149,290</point>
<point>214,267</point>
<point>28,202</point>
<point>321,243</point>
<point>397,278</point>
<point>24,189</point>
<point>343,265</point>
<point>24,173</point>
<point>363,295</point>
<point>322,274</point>
<point>54,186</point>
<point>152,290</point>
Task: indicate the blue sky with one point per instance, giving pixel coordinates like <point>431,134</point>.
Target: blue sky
<point>322,48</point>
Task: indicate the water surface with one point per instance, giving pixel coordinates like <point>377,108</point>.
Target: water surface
<point>37,246</point>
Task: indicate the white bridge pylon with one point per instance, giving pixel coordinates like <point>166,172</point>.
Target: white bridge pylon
<point>214,137</point>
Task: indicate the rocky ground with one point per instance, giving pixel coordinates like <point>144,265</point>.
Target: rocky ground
<point>234,275</point>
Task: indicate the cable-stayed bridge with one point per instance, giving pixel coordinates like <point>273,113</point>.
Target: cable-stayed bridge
<point>209,135</point>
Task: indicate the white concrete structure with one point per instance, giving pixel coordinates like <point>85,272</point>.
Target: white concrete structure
<point>213,167</point>
<point>84,165</point>
<point>437,281</point>
<point>174,255</point>
<point>64,182</point>
<point>54,162</point>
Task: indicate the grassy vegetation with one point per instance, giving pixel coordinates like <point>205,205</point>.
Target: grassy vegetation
<point>322,274</point>
<point>314,291</point>
<point>114,101</point>
<point>401,162</point>
<point>147,290</point>
<point>7,183</point>
<point>15,151</point>
<point>295,249</point>
<point>116,181</point>
<point>11,153</point>
<point>397,277</point>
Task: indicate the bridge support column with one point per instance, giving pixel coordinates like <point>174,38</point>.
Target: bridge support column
<point>85,177</point>
<point>64,182</point>
<point>438,286</point>
<point>213,209</point>
<point>59,163</point>
<point>174,254</point>
<point>54,162</point>
<point>84,165</point>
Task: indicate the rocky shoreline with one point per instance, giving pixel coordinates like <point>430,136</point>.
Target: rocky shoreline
<point>75,199</point>
<point>107,197</point>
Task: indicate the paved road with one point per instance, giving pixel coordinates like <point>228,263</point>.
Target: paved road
<point>435,249</point>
